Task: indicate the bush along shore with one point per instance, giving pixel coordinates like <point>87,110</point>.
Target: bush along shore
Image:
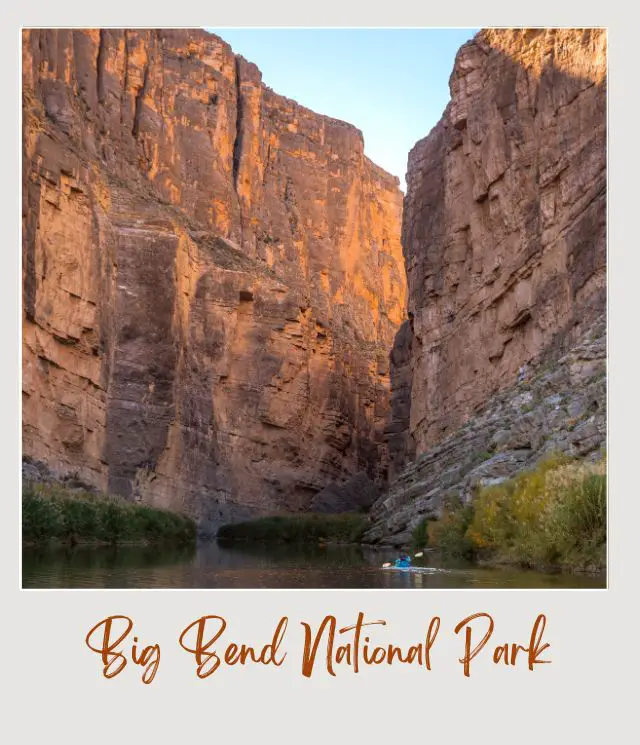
<point>55,513</point>
<point>552,517</point>
<point>303,528</point>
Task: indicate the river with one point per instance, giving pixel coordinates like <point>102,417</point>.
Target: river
<point>268,566</point>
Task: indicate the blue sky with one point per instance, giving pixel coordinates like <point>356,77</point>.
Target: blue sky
<point>393,84</point>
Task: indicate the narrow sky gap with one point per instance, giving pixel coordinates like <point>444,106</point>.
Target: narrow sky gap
<point>393,84</point>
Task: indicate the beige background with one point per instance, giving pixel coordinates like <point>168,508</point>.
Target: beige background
<point>53,689</point>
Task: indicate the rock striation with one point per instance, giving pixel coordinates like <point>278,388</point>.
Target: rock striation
<point>505,248</point>
<point>503,226</point>
<point>212,278</point>
<point>559,407</point>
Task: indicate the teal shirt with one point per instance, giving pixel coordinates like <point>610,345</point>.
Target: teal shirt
<point>403,563</point>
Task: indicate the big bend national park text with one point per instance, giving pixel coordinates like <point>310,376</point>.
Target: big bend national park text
<point>328,647</point>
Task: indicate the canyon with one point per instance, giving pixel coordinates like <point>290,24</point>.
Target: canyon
<point>229,310</point>
<point>212,278</point>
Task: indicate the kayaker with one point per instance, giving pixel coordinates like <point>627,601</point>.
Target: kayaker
<point>404,562</point>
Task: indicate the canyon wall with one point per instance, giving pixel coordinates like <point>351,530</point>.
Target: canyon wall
<point>502,360</point>
<point>559,407</point>
<point>503,228</point>
<point>212,278</point>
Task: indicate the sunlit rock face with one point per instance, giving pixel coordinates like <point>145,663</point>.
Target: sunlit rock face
<point>212,278</point>
<point>503,227</point>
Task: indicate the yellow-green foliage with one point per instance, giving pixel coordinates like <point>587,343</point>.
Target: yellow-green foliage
<point>514,509</point>
<point>576,522</point>
<point>450,533</point>
<point>553,514</point>
<point>420,535</point>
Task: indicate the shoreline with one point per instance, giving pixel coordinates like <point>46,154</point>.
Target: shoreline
<point>54,513</point>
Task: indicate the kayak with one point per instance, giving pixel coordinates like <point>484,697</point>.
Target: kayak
<point>401,567</point>
<point>417,570</point>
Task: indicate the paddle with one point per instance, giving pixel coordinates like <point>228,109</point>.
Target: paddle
<point>416,556</point>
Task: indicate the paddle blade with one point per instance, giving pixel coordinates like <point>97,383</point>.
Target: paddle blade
<point>419,554</point>
<point>388,564</point>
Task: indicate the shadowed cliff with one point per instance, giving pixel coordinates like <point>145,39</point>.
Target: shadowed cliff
<point>503,358</point>
<point>503,227</point>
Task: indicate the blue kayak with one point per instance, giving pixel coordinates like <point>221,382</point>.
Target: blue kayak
<point>416,570</point>
<point>394,568</point>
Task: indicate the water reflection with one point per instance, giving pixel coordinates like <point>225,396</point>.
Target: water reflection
<point>243,565</point>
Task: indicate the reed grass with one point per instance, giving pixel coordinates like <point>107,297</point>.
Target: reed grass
<point>51,512</point>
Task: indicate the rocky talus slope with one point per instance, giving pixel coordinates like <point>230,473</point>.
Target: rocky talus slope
<point>505,247</point>
<point>559,407</point>
<point>212,278</point>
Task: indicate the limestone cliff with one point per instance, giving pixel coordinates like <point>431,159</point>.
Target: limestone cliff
<point>503,226</point>
<point>558,407</point>
<point>505,249</point>
<point>212,277</point>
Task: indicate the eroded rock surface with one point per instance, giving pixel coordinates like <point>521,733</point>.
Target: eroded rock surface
<point>505,247</point>
<point>212,277</point>
<point>559,407</point>
<point>504,225</point>
<point>356,495</point>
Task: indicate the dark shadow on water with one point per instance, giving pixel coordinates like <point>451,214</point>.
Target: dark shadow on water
<point>267,566</point>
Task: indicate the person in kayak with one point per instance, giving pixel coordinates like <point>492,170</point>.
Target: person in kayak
<point>404,562</point>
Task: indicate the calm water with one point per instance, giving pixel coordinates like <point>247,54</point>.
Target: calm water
<point>212,565</point>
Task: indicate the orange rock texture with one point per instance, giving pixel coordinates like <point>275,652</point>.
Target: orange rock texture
<point>213,277</point>
<point>503,227</point>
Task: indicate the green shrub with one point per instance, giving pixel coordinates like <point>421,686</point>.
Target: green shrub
<point>420,535</point>
<point>554,514</point>
<point>345,528</point>
<point>41,518</point>
<point>577,523</point>
<point>450,533</point>
<point>50,512</point>
<point>508,518</point>
<point>481,457</point>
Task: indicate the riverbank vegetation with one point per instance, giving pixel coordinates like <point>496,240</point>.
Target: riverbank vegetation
<point>51,512</point>
<point>319,528</point>
<point>552,516</point>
